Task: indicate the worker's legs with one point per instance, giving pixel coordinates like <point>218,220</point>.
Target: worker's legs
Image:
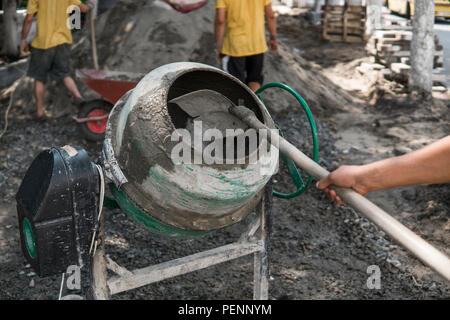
<point>239,67</point>
<point>40,63</point>
<point>247,69</point>
<point>235,66</point>
<point>254,67</point>
<point>72,87</point>
<point>61,69</point>
<point>39,91</point>
<point>254,86</point>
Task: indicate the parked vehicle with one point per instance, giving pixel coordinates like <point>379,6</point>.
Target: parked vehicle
<point>406,7</point>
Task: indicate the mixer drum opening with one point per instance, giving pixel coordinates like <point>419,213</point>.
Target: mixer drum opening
<point>221,82</point>
<point>205,117</point>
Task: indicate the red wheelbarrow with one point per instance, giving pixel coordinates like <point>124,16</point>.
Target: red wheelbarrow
<point>111,86</point>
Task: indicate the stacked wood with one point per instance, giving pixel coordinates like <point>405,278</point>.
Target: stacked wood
<point>344,23</point>
<point>392,22</point>
<point>392,49</point>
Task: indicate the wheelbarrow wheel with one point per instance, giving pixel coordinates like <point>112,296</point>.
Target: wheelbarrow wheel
<point>94,130</point>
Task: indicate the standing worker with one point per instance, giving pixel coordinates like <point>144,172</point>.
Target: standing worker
<point>242,51</point>
<point>50,49</point>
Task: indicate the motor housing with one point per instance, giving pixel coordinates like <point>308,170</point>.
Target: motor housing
<point>57,209</point>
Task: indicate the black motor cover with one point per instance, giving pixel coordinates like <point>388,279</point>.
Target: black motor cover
<point>57,209</point>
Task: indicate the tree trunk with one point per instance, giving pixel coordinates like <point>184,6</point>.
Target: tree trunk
<point>11,40</point>
<point>373,16</point>
<point>422,49</point>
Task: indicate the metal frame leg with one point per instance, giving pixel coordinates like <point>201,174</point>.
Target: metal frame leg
<point>254,241</point>
<point>261,258</point>
<point>100,289</point>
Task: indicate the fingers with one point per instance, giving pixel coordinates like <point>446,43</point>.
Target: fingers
<point>218,59</point>
<point>273,46</point>
<point>23,49</point>
<point>324,183</point>
<point>332,195</point>
<point>346,177</point>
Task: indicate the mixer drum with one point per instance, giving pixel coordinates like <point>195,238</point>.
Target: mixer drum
<point>173,198</point>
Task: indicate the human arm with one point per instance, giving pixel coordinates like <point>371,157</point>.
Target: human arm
<point>32,9</point>
<point>90,4</point>
<point>27,22</point>
<point>219,30</point>
<point>429,165</point>
<point>272,26</point>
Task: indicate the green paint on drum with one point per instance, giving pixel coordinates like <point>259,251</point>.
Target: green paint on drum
<point>29,238</point>
<point>149,222</point>
<point>234,183</point>
<point>219,197</point>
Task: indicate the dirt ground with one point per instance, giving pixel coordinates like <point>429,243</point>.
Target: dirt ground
<point>318,250</point>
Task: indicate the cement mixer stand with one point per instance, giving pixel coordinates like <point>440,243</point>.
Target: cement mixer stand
<point>254,241</point>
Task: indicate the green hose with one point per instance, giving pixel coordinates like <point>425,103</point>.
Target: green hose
<point>292,168</point>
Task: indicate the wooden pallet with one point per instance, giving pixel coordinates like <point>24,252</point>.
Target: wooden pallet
<point>389,46</point>
<point>344,23</point>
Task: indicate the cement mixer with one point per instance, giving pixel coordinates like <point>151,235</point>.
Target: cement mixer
<point>62,195</point>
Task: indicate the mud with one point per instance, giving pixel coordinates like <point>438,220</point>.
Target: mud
<point>318,250</point>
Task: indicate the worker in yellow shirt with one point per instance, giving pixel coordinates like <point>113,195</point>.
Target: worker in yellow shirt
<point>50,49</point>
<point>241,38</point>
